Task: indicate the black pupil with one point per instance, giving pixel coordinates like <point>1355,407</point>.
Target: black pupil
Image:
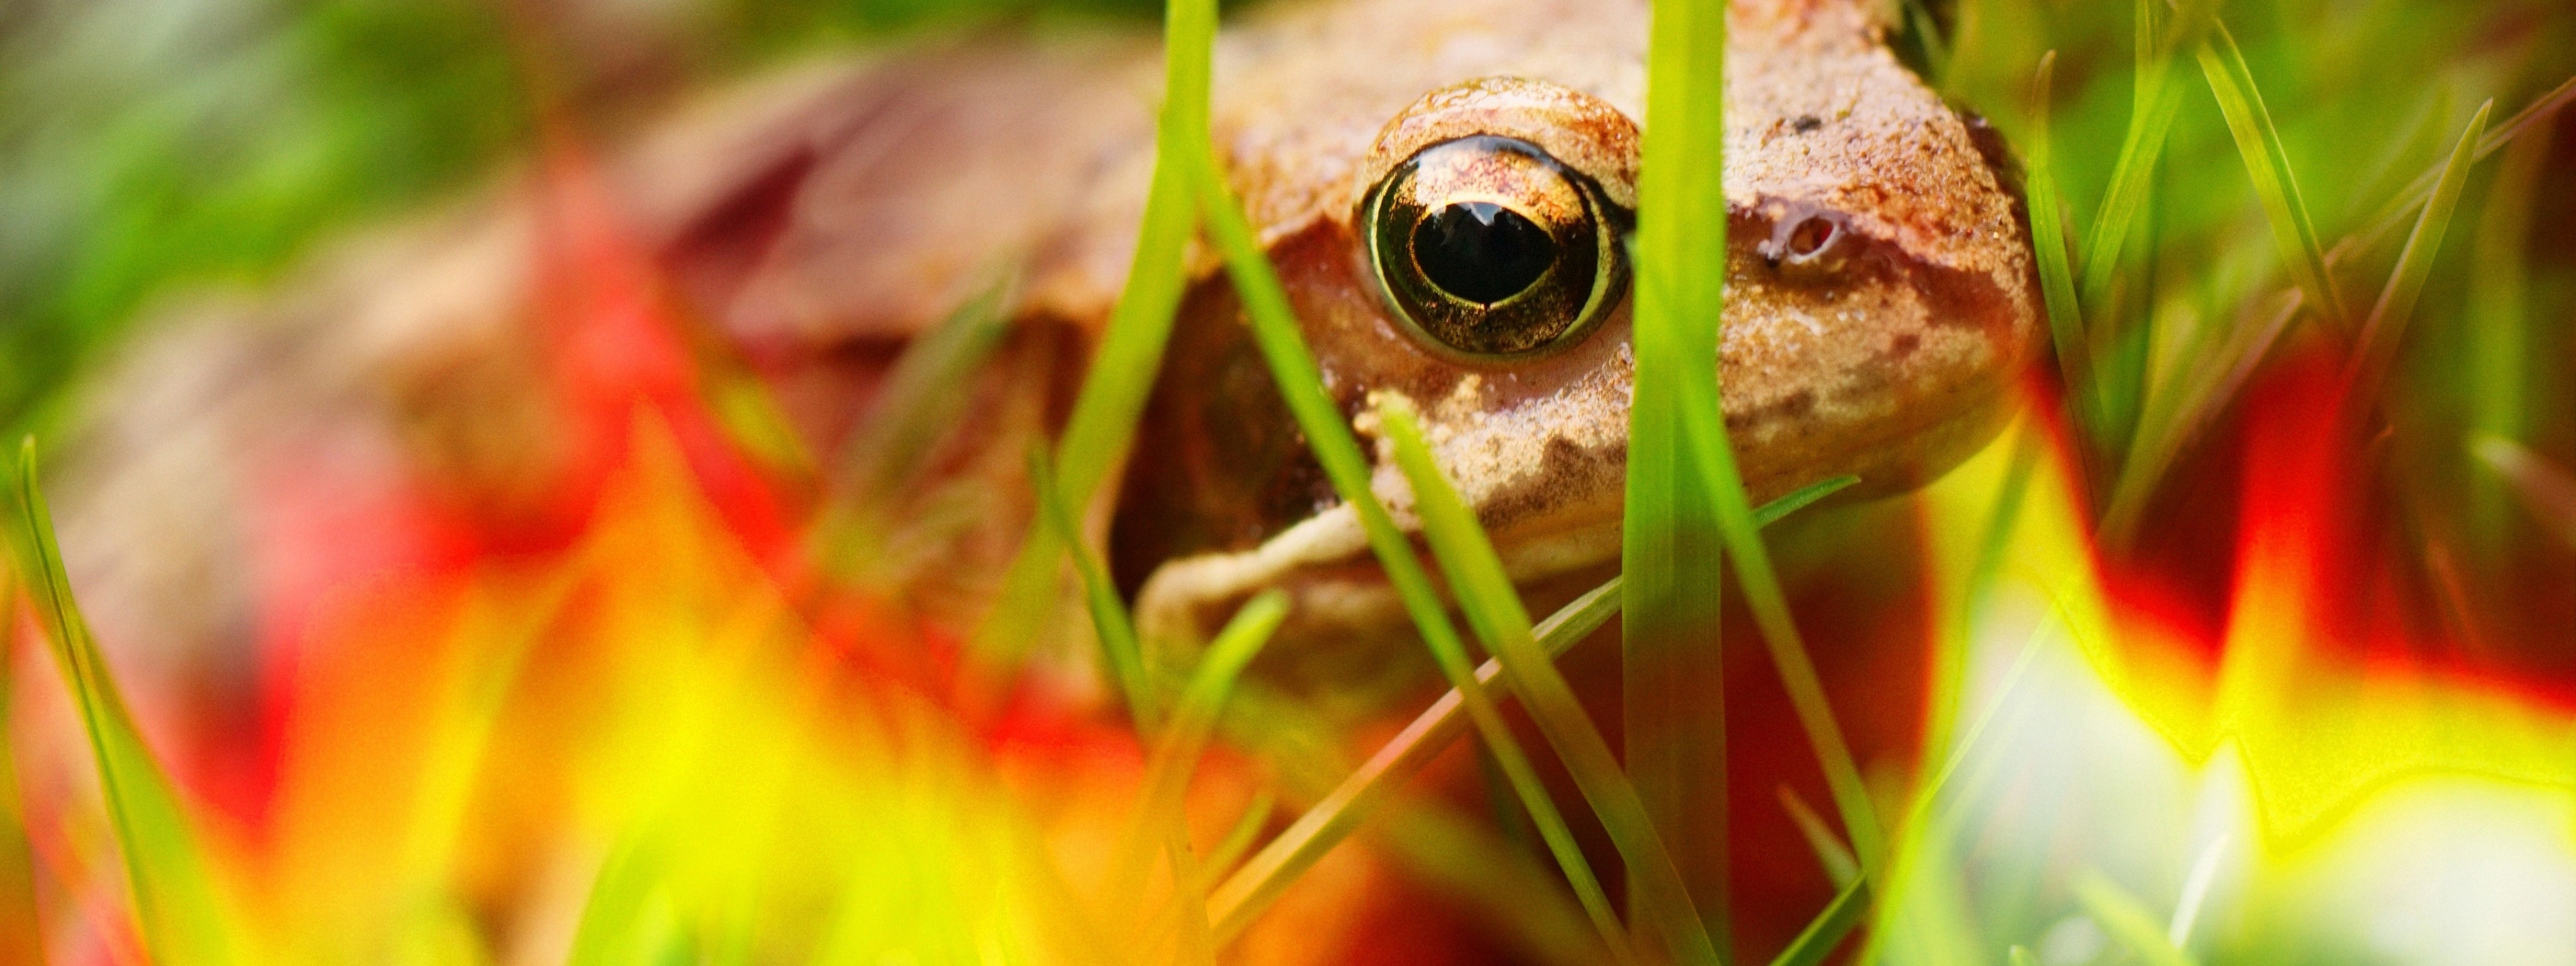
<point>1482,252</point>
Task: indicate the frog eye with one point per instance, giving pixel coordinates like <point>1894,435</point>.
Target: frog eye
<point>1490,248</point>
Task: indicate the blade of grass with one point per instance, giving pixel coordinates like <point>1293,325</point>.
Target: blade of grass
<point>1176,756</point>
<point>1829,928</point>
<point>1714,457</point>
<point>2049,239</point>
<point>1951,657</point>
<point>1841,868</point>
<point>1119,648</point>
<point>1493,607</point>
<point>2195,891</point>
<point>21,939</point>
<point>2498,285</point>
<point>2538,114</point>
<point>180,907</point>
<point>2156,101</point>
<point>2377,343</point>
<point>1238,841</point>
<point>2127,920</point>
<point>1185,738</point>
<point>2259,141</point>
<point>1103,423</point>
<point>1360,795</point>
<point>2547,491</point>
<point>1301,386</point>
<point>920,401</point>
<point>2178,413</point>
<point>1673,681</point>
<point>1926,34</point>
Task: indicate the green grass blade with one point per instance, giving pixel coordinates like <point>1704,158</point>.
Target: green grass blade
<point>21,939</point>
<point>1119,649</point>
<point>2180,411</point>
<point>1829,928</point>
<point>1360,795</point>
<point>180,907</point>
<point>1114,389</point>
<point>2387,325</point>
<point>2259,141</point>
<point>2048,240</point>
<point>2538,114</point>
<point>2020,956</point>
<point>1185,738</point>
<point>2195,892</point>
<point>1673,674</point>
<point>1799,499</point>
<point>1176,756</point>
<point>2547,491</point>
<point>920,399</point>
<point>1840,866</point>
<point>1301,385</point>
<point>1238,840</point>
<point>1926,34</point>
<point>1715,459</point>
<point>2157,100</point>
<point>1950,657</point>
<point>2498,343</point>
<point>2127,921</point>
<point>1493,607</point>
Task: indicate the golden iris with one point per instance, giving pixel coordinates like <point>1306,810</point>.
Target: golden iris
<point>1490,248</point>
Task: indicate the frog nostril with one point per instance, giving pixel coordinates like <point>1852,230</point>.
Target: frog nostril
<point>1811,236</point>
<point>1807,247</point>
<point>1482,252</point>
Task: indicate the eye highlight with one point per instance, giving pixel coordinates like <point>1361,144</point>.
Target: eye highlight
<point>1488,247</point>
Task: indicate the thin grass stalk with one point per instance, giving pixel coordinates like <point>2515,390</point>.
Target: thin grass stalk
<point>181,910</point>
<point>21,938</point>
<point>1182,742</point>
<point>2048,242</point>
<point>1950,659</point>
<point>2547,491</point>
<point>1365,791</point>
<point>920,400</point>
<point>1245,833</point>
<point>2127,920</point>
<point>1103,424</point>
<point>2156,101</point>
<point>1494,609</point>
<point>2258,140</point>
<point>1714,458</point>
<point>2539,113</point>
<point>1120,650</point>
<point>1829,928</point>
<point>1841,867</point>
<point>1301,385</point>
<point>1673,674</point>
<point>2377,343</point>
<point>2177,414</point>
<point>2499,284</point>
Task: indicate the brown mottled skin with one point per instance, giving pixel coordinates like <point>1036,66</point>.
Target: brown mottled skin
<point>821,219</point>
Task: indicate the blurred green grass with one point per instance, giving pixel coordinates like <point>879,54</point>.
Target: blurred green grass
<point>148,146</point>
<point>224,166</point>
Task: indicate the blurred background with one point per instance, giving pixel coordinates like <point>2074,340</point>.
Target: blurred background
<point>161,156</point>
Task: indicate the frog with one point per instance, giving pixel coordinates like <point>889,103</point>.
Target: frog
<point>1881,294</point>
<point>1447,188</point>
